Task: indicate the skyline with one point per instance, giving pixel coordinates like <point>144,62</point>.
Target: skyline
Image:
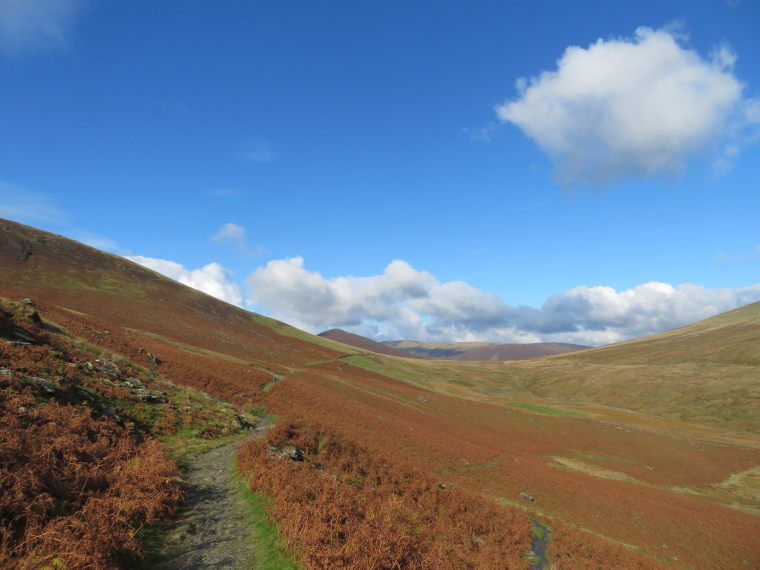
<point>578,174</point>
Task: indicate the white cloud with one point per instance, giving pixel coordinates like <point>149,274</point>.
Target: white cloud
<point>231,233</point>
<point>237,235</point>
<point>27,26</point>
<point>212,279</point>
<point>260,151</point>
<point>308,300</point>
<point>404,303</point>
<point>631,108</point>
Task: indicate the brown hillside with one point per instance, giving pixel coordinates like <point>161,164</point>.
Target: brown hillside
<point>364,343</point>
<point>482,351</point>
<point>385,461</point>
<point>81,278</point>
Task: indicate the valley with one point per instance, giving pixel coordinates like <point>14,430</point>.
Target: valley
<point>644,454</point>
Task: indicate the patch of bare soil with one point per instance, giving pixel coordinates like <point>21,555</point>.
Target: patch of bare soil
<point>212,531</point>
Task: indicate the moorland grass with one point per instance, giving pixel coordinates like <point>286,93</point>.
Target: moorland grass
<point>544,409</point>
<point>272,552</point>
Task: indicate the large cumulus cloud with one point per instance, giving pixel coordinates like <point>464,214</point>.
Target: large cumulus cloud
<point>633,108</point>
<point>405,303</point>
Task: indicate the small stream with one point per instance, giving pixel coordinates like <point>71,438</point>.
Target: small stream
<point>540,545</point>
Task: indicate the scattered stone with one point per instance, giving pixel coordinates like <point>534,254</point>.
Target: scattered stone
<point>465,462</point>
<point>526,497</point>
<point>477,541</point>
<point>107,367</point>
<point>243,423</point>
<point>18,333</point>
<point>29,302</point>
<point>20,247</point>
<point>41,383</point>
<point>446,485</point>
<point>106,411</point>
<point>85,395</point>
<point>149,396</point>
<point>292,452</point>
<point>5,373</point>
<point>23,410</point>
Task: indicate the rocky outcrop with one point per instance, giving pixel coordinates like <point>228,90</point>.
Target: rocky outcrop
<point>292,452</point>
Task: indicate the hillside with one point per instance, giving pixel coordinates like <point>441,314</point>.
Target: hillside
<point>382,460</point>
<point>482,351</point>
<point>363,343</point>
<point>702,379</point>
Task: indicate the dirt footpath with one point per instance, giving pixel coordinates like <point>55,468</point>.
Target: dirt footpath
<point>212,532</point>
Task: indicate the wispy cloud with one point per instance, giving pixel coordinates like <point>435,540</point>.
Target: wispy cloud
<point>404,303</point>
<point>28,26</point>
<point>236,235</point>
<point>259,151</point>
<point>636,107</point>
<point>98,241</point>
<point>754,254</point>
<point>38,209</point>
<point>232,192</point>
<point>27,206</point>
<point>482,134</point>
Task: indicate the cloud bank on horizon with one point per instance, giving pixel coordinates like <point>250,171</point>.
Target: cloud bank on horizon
<point>405,303</point>
<point>634,108</point>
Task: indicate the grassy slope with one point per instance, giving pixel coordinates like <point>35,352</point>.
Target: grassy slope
<point>706,374</point>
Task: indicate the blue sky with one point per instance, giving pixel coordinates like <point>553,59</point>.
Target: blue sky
<point>544,171</point>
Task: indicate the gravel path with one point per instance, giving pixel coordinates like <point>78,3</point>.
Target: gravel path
<point>212,532</point>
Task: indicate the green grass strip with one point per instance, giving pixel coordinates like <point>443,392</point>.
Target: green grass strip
<point>543,409</point>
<point>271,552</point>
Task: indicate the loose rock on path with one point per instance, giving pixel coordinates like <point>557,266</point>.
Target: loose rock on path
<point>212,532</point>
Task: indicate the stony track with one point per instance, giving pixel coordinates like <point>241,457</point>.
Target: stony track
<point>212,532</point>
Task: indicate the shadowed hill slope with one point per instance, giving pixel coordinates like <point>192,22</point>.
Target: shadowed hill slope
<point>363,343</point>
<point>482,351</point>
